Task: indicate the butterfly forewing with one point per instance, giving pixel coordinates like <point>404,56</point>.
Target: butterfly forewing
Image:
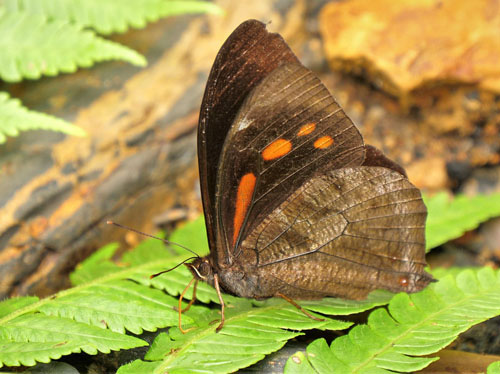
<point>289,129</point>
<point>248,55</point>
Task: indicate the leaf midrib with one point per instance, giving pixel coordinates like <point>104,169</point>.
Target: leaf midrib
<point>113,276</point>
<point>209,330</point>
<point>414,327</point>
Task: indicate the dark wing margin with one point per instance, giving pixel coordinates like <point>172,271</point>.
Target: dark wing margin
<point>344,234</point>
<point>375,157</point>
<point>248,55</point>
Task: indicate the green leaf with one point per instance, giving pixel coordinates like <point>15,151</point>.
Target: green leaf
<point>107,16</point>
<point>96,265</point>
<point>32,46</point>
<point>316,351</point>
<point>192,235</point>
<point>10,305</point>
<point>103,301</point>
<point>122,297</point>
<point>139,366</point>
<point>248,335</point>
<point>298,364</point>
<point>493,368</point>
<point>414,325</point>
<point>35,337</point>
<point>115,298</point>
<point>117,305</point>
<point>15,118</point>
<point>341,307</point>
<point>450,218</point>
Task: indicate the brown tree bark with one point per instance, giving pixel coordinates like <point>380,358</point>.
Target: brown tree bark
<point>138,160</point>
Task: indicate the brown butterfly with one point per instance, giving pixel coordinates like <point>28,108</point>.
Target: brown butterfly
<point>296,205</point>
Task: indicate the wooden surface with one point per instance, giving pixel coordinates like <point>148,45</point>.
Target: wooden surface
<point>139,159</point>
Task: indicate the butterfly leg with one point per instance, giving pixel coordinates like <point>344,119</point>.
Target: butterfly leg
<point>217,288</point>
<point>284,297</point>
<point>193,298</point>
<point>179,309</point>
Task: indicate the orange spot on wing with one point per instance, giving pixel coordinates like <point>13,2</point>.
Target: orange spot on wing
<point>276,149</point>
<point>243,199</point>
<point>307,129</point>
<point>323,142</point>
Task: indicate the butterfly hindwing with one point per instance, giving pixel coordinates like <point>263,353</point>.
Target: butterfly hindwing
<point>343,233</point>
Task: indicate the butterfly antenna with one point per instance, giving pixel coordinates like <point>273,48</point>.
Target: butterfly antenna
<point>175,267</point>
<point>153,237</point>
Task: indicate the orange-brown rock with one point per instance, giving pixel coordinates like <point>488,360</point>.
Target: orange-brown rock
<point>412,43</point>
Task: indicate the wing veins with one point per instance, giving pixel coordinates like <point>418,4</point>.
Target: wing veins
<point>239,57</point>
<point>364,182</point>
<point>306,165</point>
<point>385,240</point>
<point>318,250</point>
<point>259,250</point>
<point>392,203</point>
<point>287,104</point>
<point>394,227</point>
<point>386,216</point>
<point>307,141</point>
<point>337,281</point>
<point>288,129</point>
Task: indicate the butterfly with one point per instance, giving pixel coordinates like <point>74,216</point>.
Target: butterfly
<point>296,205</point>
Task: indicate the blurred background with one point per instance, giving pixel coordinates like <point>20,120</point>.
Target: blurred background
<point>420,79</point>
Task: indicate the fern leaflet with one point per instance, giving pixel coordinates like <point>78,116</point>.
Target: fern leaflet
<point>15,118</point>
<point>108,16</point>
<point>450,218</point>
<point>32,46</point>
<point>414,325</point>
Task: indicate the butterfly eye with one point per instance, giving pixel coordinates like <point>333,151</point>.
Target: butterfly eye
<point>204,269</point>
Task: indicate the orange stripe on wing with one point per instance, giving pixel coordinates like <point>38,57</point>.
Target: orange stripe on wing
<point>276,149</point>
<point>243,200</point>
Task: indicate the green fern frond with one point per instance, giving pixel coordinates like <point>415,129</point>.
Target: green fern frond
<point>35,337</point>
<point>108,16</point>
<point>95,266</point>
<point>15,118</point>
<point>248,335</point>
<point>32,46</point>
<point>450,218</point>
<point>110,299</point>
<point>414,325</point>
<point>90,317</point>
<point>121,297</point>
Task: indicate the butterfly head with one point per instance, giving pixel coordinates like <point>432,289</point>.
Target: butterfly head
<point>202,269</point>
